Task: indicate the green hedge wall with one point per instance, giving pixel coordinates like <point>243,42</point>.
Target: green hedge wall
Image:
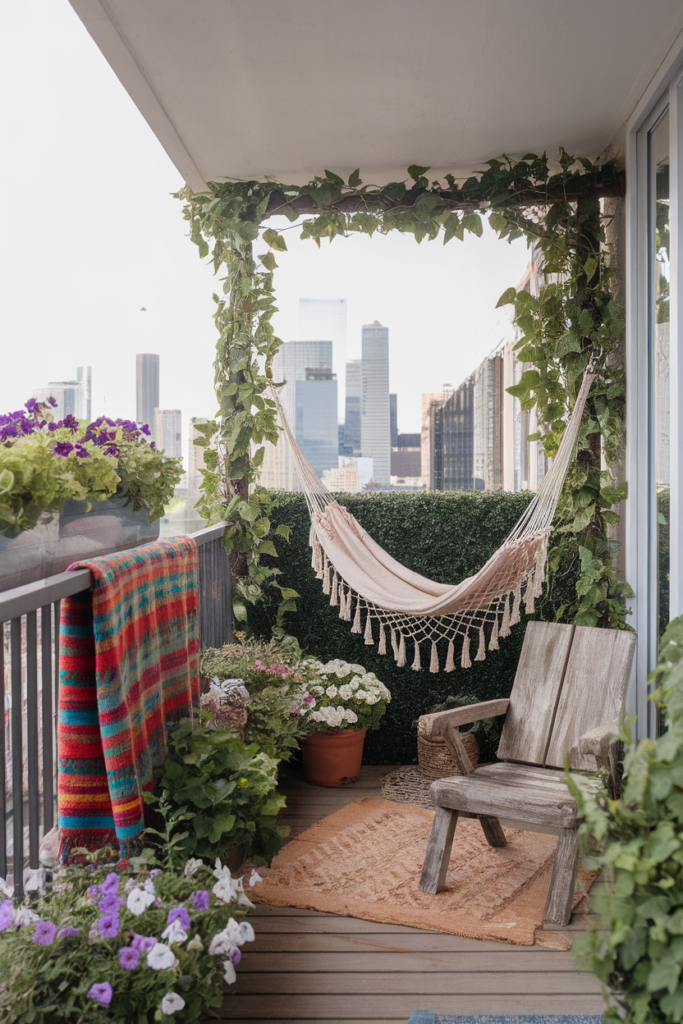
<point>444,536</point>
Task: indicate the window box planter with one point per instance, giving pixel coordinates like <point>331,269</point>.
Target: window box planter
<point>72,535</point>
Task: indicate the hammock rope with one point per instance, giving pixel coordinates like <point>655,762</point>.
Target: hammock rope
<point>393,606</point>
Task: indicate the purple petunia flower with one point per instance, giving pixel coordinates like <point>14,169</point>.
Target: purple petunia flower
<point>108,926</point>
<point>70,422</point>
<point>129,958</point>
<point>110,886</point>
<point>62,448</point>
<point>200,899</point>
<point>112,450</point>
<point>82,452</point>
<point>102,992</point>
<point>236,956</point>
<point>145,429</point>
<point>6,914</point>
<point>52,427</point>
<point>110,904</point>
<point>53,402</point>
<point>31,404</point>
<point>141,943</point>
<point>68,933</point>
<point>45,933</point>
<point>179,914</point>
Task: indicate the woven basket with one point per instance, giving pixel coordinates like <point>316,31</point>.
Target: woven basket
<point>435,759</point>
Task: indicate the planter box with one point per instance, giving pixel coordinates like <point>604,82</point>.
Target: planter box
<point>71,536</point>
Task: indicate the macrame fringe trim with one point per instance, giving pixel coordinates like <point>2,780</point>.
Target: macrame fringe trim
<point>368,631</point>
<point>416,666</point>
<point>355,628</point>
<point>434,661</point>
<point>382,646</point>
<point>450,658</point>
<point>465,656</point>
<point>401,660</point>
<point>493,639</point>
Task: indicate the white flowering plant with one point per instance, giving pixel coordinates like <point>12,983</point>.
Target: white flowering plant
<point>340,695</point>
<point>135,944</point>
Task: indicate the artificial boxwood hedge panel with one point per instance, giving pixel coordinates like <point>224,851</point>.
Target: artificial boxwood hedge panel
<point>444,536</point>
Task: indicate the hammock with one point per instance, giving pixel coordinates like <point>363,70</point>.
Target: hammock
<point>379,596</point>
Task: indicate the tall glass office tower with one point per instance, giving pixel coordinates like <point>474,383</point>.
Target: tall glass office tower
<point>325,319</point>
<point>352,419</point>
<point>375,419</point>
<point>146,388</point>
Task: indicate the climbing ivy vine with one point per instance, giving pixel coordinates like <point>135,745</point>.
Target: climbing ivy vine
<point>574,321</point>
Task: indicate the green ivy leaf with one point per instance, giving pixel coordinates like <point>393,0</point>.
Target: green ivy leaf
<point>354,179</point>
<point>275,240</point>
<point>416,172</point>
<point>508,296</point>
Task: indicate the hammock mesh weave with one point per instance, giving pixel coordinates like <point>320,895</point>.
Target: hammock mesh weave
<point>410,614</point>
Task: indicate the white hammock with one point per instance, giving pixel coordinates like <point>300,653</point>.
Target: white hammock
<point>378,595</point>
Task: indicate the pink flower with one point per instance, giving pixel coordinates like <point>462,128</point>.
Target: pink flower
<point>102,992</point>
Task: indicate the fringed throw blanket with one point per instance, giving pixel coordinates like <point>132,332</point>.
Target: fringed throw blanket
<point>128,670</point>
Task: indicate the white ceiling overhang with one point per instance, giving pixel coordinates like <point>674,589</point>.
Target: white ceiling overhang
<point>287,88</point>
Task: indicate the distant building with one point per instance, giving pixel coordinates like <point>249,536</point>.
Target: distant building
<point>429,399</point>
<point>167,431</point>
<point>68,395</point>
<point>457,433</point>
<point>326,319</point>
<point>352,419</point>
<point>84,375</point>
<point>408,440</point>
<point>351,475</point>
<point>146,388</point>
<point>375,420</point>
<point>487,440</point>
<point>393,419</point>
<point>406,462</point>
<point>195,465</point>
<point>290,364</point>
<point>316,428</point>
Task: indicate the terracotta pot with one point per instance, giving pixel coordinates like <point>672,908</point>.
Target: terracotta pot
<point>333,758</point>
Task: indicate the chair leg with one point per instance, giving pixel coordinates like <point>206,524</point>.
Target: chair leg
<point>438,851</point>
<point>558,907</point>
<point>493,830</point>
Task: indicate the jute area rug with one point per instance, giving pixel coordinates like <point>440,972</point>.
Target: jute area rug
<point>365,861</point>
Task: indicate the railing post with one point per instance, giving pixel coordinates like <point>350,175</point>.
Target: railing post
<point>46,709</point>
<point>3,760</point>
<point>32,739</point>
<point>17,763</point>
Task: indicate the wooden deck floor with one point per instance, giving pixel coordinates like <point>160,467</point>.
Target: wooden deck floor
<point>307,966</point>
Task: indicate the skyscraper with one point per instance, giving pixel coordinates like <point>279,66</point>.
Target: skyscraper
<point>393,419</point>
<point>68,395</point>
<point>326,319</point>
<point>167,431</point>
<point>290,364</point>
<point>316,418</point>
<point>375,429</point>
<point>352,419</point>
<point>84,375</point>
<point>146,388</point>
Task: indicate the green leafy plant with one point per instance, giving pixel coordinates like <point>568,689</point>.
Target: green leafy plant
<point>582,320</point>
<point>228,789</point>
<point>640,838</point>
<point>271,671</point>
<point>101,946</point>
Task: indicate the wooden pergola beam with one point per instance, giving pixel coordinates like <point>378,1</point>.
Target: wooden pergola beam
<point>305,205</point>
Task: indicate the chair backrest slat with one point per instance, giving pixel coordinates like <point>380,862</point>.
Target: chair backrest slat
<point>535,694</point>
<point>593,690</point>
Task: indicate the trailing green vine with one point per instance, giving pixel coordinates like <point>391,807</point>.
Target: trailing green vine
<point>573,322</point>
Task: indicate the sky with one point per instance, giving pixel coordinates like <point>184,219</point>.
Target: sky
<point>96,264</point>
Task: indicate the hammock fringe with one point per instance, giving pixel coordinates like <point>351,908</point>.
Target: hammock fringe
<point>450,658</point>
<point>416,666</point>
<point>401,660</point>
<point>481,649</point>
<point>434,662</point>
<point>355,628</point>
<point>465,656</point>
<point>493,639</point>
<point>368,631</point>
<point>382,647</point>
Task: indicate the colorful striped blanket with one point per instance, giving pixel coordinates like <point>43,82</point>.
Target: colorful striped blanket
<point>128,670</point>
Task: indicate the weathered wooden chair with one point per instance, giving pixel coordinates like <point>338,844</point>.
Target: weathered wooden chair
<point>567,697</point>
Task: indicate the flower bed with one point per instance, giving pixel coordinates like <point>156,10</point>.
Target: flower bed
<point>141,944</point>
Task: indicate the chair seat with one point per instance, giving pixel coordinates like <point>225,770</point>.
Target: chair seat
<point>536,795</point>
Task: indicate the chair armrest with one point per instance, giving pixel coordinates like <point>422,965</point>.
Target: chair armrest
<point>433,727</point>
<point>598,741</point>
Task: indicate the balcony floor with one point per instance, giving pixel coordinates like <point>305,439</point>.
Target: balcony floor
<point>308,966</point>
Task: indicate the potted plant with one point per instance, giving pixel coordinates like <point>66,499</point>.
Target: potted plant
<point>70,489</point>
<point>343,702</point>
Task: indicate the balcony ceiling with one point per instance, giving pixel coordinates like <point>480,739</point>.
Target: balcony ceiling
<point>286,88</point>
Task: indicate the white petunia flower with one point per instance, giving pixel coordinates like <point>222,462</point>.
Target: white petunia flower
<point>138,900</point>
<point>317,690</point>
<point>315,716</point>
<point>171,1002</point>
<point>357,668</point>
<point>371,698</point>
<point>223,943</point>
<point>149,887</point>
<point>361,694</point>
<point>332,691</point>
<point>192,866</point>
<point>224,890</point>
<point>355,683</point>
<point>174,933</point>
<point>350,716</point>
<point>22,915</point>
<point>341,671</point>
<point>254,877</point>
<point>246,933</point>
<point>160,957</point>
<point>345,691</point>
<point>229,972</point>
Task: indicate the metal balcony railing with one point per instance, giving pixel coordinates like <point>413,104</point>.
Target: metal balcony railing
<point>29,691</point>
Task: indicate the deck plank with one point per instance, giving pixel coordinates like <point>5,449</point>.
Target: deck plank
<point>308,966</point>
